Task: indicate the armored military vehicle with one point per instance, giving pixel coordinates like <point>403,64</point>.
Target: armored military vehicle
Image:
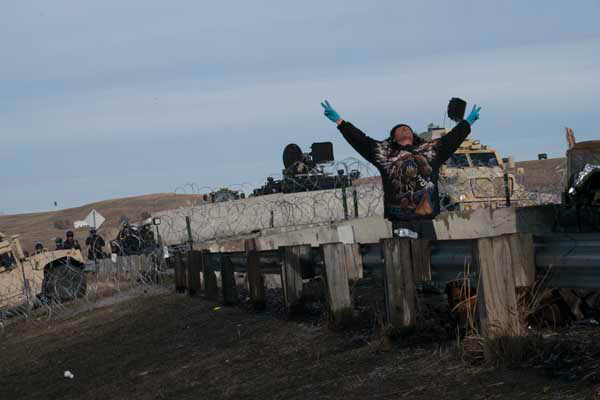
<point>305,172</point>
<point>43,277</point>
<point>474,177</point>
<point>224,194</point>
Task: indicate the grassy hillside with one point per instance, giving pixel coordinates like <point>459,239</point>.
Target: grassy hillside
<point>45,226</point>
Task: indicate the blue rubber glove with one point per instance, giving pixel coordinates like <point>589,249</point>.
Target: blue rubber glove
<point>330,112</point>
<point>474,115</point>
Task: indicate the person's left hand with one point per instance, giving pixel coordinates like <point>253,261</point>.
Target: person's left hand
<point>474,115</point>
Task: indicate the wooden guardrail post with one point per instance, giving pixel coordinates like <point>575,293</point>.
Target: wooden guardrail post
<point>496,298</point>
<point>421,259</point>
<point>211,290</point>
<point>522,254</point>
<point>256,283</point>
<point>336,278</point>
<point>180,275</point>
<point>400,289</point>
<point>353,261</point>
<point>194,264</point>
<point>230,294</point>
<point>292,259</point>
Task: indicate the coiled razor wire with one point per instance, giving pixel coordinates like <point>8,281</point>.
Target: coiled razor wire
<point>51,284</point>
<point>459,189</point>
<point>47,292</point>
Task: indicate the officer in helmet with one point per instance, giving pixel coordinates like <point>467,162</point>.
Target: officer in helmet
<point>95,244</point>
<point>71,242</point>
<point>39,248</point>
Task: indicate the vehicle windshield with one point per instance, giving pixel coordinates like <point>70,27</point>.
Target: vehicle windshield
<point>484,159</point>
<point>458,161</point>
<point>7,260</point>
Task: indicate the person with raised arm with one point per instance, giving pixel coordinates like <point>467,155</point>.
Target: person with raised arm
<point>409,166</point>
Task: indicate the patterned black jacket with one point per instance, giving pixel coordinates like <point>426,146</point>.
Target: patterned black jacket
<point>409,173</point>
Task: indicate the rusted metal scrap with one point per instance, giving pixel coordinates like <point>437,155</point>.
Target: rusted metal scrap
<point>562,307</point>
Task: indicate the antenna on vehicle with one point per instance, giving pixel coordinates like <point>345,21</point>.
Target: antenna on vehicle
<point>444,125</point>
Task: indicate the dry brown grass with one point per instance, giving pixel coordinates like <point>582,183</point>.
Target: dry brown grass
<point>503,351</point>
<point>508,351</point>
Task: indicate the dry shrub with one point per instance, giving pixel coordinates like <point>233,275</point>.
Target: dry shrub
<point>462,302</point>
<point>380,341</point>
<point>506,351</point>
<point>62,224</point>
<point>503,351</point>
<point>536,305</point>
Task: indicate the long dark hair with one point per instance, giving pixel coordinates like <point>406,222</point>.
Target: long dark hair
<point>416,139</point>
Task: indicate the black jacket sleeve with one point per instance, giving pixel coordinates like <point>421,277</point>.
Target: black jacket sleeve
<point>452,140</point>
<point>363,144</point>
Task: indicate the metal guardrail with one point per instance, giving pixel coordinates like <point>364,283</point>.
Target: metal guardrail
<point>564,260</point>
<point>561,260</point>
<point>450,260</point>
<point>569,260</point>
<point>269,261</point>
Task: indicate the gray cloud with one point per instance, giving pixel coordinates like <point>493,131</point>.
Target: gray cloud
<point>210,93</point>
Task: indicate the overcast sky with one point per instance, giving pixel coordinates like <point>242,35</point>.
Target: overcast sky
<point>104,99</point>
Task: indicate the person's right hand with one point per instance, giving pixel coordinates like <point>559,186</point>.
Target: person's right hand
<point>330,112</point>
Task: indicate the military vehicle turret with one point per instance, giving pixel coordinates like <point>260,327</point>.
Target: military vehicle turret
<point>305,172</point>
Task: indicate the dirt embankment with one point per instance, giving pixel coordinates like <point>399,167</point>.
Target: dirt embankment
<point>170,346</point>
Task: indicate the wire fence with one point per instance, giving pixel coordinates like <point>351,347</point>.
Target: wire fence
<point>459,189</point>
<point>48,282</point>
<point>44,283</point>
